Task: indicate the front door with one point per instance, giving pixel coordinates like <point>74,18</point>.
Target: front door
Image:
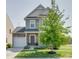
<point>32,38</point>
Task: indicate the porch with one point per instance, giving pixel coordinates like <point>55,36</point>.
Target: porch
<point>32,39</point>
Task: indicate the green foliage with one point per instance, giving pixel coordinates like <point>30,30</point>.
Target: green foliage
<point>53,31</point>
<point>64,51</point>
<point>8,45</point>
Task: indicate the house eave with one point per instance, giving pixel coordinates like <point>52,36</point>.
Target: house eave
<point>31,18</point>
<point>32,32</point>
<point>18,32</point>
<point>26,32</point>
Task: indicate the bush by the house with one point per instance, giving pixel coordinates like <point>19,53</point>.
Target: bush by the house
<point>40,47</point>
<point>26,47</point>
<point>8,45</point>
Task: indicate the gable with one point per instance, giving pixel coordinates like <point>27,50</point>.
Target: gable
<point>40,7</point>
<point>38,11</point>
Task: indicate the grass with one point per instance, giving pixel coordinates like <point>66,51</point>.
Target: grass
<point>64,51</point>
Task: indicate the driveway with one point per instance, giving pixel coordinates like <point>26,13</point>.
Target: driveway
<point>11,52</point>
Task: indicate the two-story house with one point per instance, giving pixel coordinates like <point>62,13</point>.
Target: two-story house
<point>28,35</point>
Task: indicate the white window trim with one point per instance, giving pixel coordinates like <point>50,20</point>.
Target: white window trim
<point>30,37</point>
<point>34,24</point>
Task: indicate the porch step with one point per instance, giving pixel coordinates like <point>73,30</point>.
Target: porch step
<point>31,47</point>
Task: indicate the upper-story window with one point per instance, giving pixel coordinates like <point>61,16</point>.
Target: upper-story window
<point>32,24</point>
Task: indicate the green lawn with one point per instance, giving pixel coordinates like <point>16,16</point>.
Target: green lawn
<point>64,51</point>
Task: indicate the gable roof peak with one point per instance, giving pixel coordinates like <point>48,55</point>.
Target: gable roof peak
<point>40,5</point>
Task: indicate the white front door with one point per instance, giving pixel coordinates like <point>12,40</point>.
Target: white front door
<point>19,42</point>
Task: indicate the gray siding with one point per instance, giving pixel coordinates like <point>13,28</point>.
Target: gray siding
<point>27,23</point>
<point>39,12</point>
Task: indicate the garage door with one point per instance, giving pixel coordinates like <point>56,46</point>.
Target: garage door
<point>19,41</point>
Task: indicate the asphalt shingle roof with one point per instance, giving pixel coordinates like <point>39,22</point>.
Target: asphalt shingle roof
<point>22,29</point>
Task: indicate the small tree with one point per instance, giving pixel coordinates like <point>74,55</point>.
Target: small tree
<point>53,32</point>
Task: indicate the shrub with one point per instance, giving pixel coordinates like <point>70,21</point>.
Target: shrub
<point>55,48</point>
<point>26,47</point>
<point>8,45</point>
<point>40,47</point>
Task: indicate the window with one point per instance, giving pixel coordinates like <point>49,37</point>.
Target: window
<point>32,24</point>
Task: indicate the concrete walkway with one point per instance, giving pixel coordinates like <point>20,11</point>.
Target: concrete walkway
<point>11,52</point>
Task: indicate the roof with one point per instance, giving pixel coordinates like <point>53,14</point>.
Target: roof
<point>17,29</point>
<point>22,29</point>
<point>42,11</point>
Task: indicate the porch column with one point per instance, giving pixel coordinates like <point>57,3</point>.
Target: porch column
<point>26,38</point>
<point>39,40</point>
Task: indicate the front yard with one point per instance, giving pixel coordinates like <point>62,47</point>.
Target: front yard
<point>64,51</point>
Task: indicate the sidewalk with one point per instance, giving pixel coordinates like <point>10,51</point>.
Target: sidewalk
<point>43,58</point>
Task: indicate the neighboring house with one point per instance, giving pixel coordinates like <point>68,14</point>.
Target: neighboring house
<point>9,29</point>
<point>28,35</point>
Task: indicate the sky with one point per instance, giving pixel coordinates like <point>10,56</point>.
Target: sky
<point>18,9</point>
